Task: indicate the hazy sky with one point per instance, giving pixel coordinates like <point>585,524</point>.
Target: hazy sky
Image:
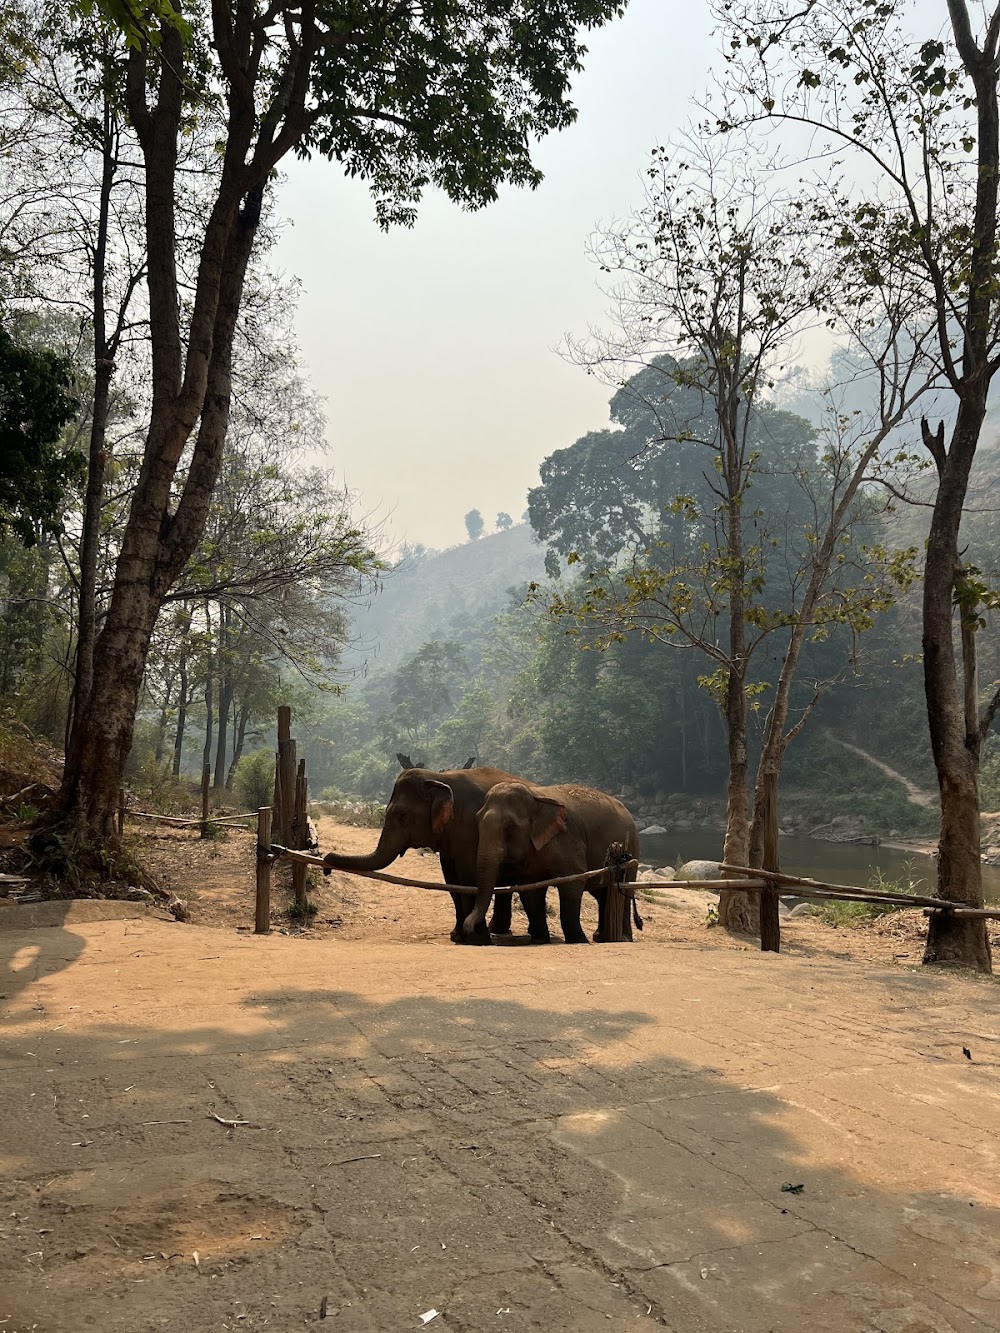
<point>436,347</point>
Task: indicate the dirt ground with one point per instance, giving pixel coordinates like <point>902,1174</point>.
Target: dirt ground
<point>682,1133</point>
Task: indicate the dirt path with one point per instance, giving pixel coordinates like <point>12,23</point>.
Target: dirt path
<point>561,1139</point>
<point>915,794</point>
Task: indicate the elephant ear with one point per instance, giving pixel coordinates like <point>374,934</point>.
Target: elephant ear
<point>442,804</point>
<point>548,819</point>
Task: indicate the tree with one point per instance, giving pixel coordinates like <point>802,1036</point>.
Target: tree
<point>915,124</point>
<point>504,521</point>
<point>76,93</point>
<point>36,402</point>
<point>423,691</point>
<point>728,273</point>
<point>451,96</point>
<point>474,524</point>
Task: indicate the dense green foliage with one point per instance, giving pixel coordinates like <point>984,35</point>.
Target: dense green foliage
<point>36,402</point>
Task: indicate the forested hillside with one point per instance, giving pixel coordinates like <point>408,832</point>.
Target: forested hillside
<point>465,660</point>
<point>445,595</point>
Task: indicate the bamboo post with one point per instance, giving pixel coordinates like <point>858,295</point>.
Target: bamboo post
<point>121,812</point>
<point>285,813</point>
<point>299,868</point>
<point>206,781</point>
<point>262,915</point>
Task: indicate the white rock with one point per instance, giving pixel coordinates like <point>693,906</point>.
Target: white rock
<point>653,829</point>
<point>699,870</point>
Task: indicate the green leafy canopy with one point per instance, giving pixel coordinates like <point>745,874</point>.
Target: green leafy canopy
<point>36,402</point>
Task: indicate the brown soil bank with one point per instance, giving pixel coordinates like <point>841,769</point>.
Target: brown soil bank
<point>559,1139</point>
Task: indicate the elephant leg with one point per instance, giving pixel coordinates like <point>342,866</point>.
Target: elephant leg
<point>459,935</point>
<point>570,899</point>
<point>502,908</point>
<point>538,922</point>
<point>461,910</point>
<point>600,933</point>
<point>474,929</point>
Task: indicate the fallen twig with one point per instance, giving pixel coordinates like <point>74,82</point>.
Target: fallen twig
<point>366,1157</point>
<point>231,1124</point>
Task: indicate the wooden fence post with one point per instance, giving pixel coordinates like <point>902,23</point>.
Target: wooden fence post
<point>285,812</point>
<point>616,904</point>
<point>770,922</point>
<point>262,916</point>
<point>300,838</point>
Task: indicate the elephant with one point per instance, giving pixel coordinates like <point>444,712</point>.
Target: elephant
<point>438,810</point>
<point>406,762</point>
<point>529,833</point>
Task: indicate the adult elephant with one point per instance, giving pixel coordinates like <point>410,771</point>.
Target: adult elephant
<point>529,833</point>
<point>438,810</point>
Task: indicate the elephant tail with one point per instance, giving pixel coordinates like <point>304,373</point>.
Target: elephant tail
<point>635,909</point>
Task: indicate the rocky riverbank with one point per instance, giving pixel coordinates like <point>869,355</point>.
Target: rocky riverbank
<point>683,813</point>
<point>679,812</point>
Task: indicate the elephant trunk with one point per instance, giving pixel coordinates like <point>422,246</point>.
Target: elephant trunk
<point>487,862</point>
<point>391,844</point>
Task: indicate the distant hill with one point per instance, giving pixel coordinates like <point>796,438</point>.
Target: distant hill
<point>442,595</point>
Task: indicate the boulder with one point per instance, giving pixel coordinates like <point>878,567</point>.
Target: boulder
<point>652,829</point>
<point>699,870</point>
<point>665,872</point>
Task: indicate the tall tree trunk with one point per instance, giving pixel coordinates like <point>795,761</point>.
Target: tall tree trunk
<point>242,718</point>
<point>206,753</point>
<point>226,691</point>
<point>95,759</point>
<point>955,748</point>
<point>161,726</point>
<point>181,727</point>
<point>159,537</point>
<point>103,370</point>
<point>191,393</point>
<point>955,742</point>
<point>183,698</point>
<point>737,911</point>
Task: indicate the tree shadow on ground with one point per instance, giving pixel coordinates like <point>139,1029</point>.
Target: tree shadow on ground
<point>573,1158</point>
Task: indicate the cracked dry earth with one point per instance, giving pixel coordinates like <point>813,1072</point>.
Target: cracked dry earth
<point>558,1139</point>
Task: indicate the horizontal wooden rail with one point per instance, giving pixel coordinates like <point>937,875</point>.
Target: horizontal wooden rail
<point>745,880</point>
<point>277,851</point>
<point>970,913</point>
<point>844,892</point>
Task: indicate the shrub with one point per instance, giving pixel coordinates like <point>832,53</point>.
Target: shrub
<point>253,781</point>
<point>854,914</point>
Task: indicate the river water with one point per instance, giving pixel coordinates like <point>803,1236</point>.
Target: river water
<point>834,862</point>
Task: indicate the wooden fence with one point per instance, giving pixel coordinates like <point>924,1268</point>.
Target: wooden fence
<point>743,879</point>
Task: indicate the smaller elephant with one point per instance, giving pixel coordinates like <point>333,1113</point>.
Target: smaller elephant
<point>438,810</point>
<point>528,834</point>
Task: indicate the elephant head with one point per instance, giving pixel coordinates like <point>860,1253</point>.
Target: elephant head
<point>515,824</point>
<point>420,809</point>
